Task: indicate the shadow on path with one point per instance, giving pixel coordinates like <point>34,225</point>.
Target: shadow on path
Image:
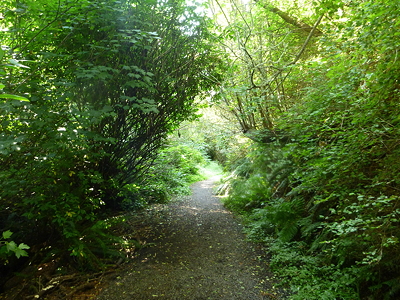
<point>199,252</point>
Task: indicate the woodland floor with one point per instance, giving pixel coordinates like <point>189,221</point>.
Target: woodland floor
<point>191,248</point>
<point>197,250</point>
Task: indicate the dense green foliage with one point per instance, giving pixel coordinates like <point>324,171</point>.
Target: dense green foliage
<point>90,91</point>
<point>214,134</point>
<point>171,174</point>
<point>323,188</point>
<point>106,81</point>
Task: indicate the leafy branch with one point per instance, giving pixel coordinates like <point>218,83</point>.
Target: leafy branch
<point>8,247</point>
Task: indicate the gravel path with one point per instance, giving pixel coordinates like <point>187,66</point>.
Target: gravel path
<point>198,252</point>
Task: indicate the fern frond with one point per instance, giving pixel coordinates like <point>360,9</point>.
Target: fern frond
<point>288,232</point>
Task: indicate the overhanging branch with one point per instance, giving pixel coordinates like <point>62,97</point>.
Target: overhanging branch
<point>297,23</point>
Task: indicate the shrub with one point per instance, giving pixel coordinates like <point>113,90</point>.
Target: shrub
<point>173,171</point>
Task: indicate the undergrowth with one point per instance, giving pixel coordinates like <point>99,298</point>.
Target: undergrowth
<point>326,198</point>
<point>172,173</point>
<point>337,245</point>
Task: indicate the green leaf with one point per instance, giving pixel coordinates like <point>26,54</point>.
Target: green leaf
<point>11,246</point>
<point>2,86</point>
<point>15,97</point>
<point>20,252</point>
<point>16,63</point>
<point>7,234</point>
<point>23,246</point>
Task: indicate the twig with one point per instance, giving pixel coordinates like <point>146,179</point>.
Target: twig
<point>85,286</point>
<point>57,282</point>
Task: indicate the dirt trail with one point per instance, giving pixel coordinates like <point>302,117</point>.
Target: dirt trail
<point>199,252</point>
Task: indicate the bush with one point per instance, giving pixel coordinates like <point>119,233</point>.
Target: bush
<point>173,171</point>
<point>331,200</point>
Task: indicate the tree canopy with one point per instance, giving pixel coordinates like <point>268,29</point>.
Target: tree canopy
<point>90,90</point>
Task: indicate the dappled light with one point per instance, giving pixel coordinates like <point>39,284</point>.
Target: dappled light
<point>281,115</point>
<point>198,249</point>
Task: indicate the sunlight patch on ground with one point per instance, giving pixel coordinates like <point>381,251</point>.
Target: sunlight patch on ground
<point>212,171</point>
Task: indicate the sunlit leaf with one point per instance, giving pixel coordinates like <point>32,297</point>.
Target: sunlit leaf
<point>7,234</point>
<point>14,97</point>
<point>16,63</point>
